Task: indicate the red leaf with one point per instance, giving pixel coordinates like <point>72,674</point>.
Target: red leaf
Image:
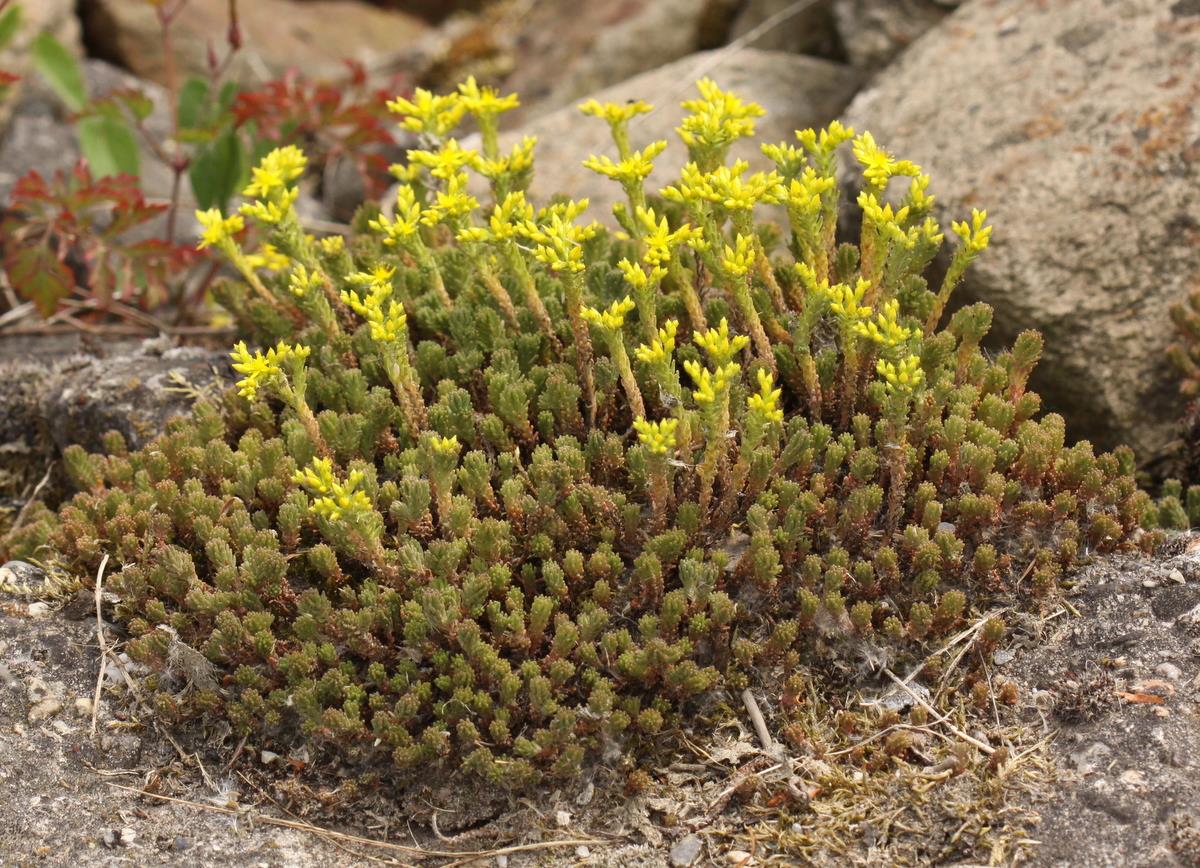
<point>36,273</point>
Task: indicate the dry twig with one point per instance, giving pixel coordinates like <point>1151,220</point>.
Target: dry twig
<point>103,644</point>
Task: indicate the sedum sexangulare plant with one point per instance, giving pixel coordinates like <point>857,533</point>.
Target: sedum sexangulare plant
<point>505,487</point>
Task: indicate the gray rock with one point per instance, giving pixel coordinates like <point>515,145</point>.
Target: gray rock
<point>1074,125</point>
<point>875,31</point>
<point>569,50</point>
<point>782,26</point>
<point>49,405</point>
<point>797,92</point>
<point>685,851</point>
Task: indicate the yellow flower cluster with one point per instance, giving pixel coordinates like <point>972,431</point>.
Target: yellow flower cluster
<point>846,303</point>
<point>717,118</point>
<point>879,166</point>
<point>976,234</point>
<point>216,229</point>
<point>903,376</point>
<point>637,276</point>
<point>710,385</point>
<point>508,221</point>
<point>633,169</point>
<point>385,316</point>
<point>398,229</point>
<point>823,143</point>
<point>615,113</point>
<point>518,161</point>
<point>721,348</point>
<point>271,185</point>
<point>612,319</point>
<point>428,113</point>
<point>885,329</point>
<point>661,243</point>
<point>662,348</point>
<point>558,241</point>
<point>264,370</point>
<point>334,500</point>
<point>451,203</point>
<point>447,161</point>
<point>484,102</point>
<point>657,437</point>
<point>738,260</point>
<point>445,446</point>
<point>766,402</point>
<point>725,187</point>
<point>269,258</point>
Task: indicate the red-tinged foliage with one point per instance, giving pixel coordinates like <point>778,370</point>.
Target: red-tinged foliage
<point>328,119</point>
<point>73,230</point>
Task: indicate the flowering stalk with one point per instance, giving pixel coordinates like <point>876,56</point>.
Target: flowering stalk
<point>611,323</point>
<point>282,371</point>
<point>658,438</point>
<point>346,511</point>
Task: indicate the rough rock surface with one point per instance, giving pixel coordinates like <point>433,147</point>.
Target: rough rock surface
<point>875,31</point>
<point>56,17</point>
<point>797,92</point>
<point>276,34</point>
<point>568,50</point>
<point>801,31</point>
<point>1074,123</point>
<point>48,404</point>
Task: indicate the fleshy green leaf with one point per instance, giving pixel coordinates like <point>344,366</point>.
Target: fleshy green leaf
<point>191,102</point>
<point>10,23</point>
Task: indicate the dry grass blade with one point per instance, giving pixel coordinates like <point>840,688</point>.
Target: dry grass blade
<point>103,644</point>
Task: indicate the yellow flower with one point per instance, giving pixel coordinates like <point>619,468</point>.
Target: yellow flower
<point>659,350</point>
<point>612,319</point>
<point>766,401</point>
<point>879,166</point>
<point>616,112</point>
<point>721,348</point>
<point>427,113</point>
<point>886,330</point>
<point>447,161</point>
<point>557,243</point>
<point>710,385</point>
<point>268,258</point>
<point>633,170</point>
<point>822,144</point>
<point>445,445</point>
<point>386,318</point>
<point>902,377</point>
<point>519,159</point>
<point>218,229</point>
<point>660,241</point>
<point>975,235</point>
<point>275,172</point>
<point>451,203</point>
<point>717,118</point>
<point>847,302</point>
<point>740,259</point>
<point>657,437</point>
<point>336,500</point>
<point>725,187</point>
<point>508,220</point>
<point>397,230</point>
<point>805,193</point>
<point>273,211</point>
<point>637,277</point>
<point>484,101</point>
<point>263,370</point>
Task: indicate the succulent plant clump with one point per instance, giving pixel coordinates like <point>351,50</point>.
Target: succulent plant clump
<point>504,488</point>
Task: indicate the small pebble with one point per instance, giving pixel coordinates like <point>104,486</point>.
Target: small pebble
<point>1002,656</point>
<point>47,708</point>
<point>1176,577</point>
<point>739,858</point>
<point>1168,671</point>
<point>180,844</point>
<point>563,818</point>
<point>267,757</point>
<point>83,706</point>
<point>501,861</point>
<point>39,610</point>
<point>582,852</point>
<point>685,851</point>
<point>1149,583</point>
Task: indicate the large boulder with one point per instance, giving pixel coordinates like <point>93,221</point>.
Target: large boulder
<point>874,31</point>
<point>276,34</point>
<point>568,50</point>
<point>782,25</point>
<point>1075,124</point>
<point>797,92</point>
